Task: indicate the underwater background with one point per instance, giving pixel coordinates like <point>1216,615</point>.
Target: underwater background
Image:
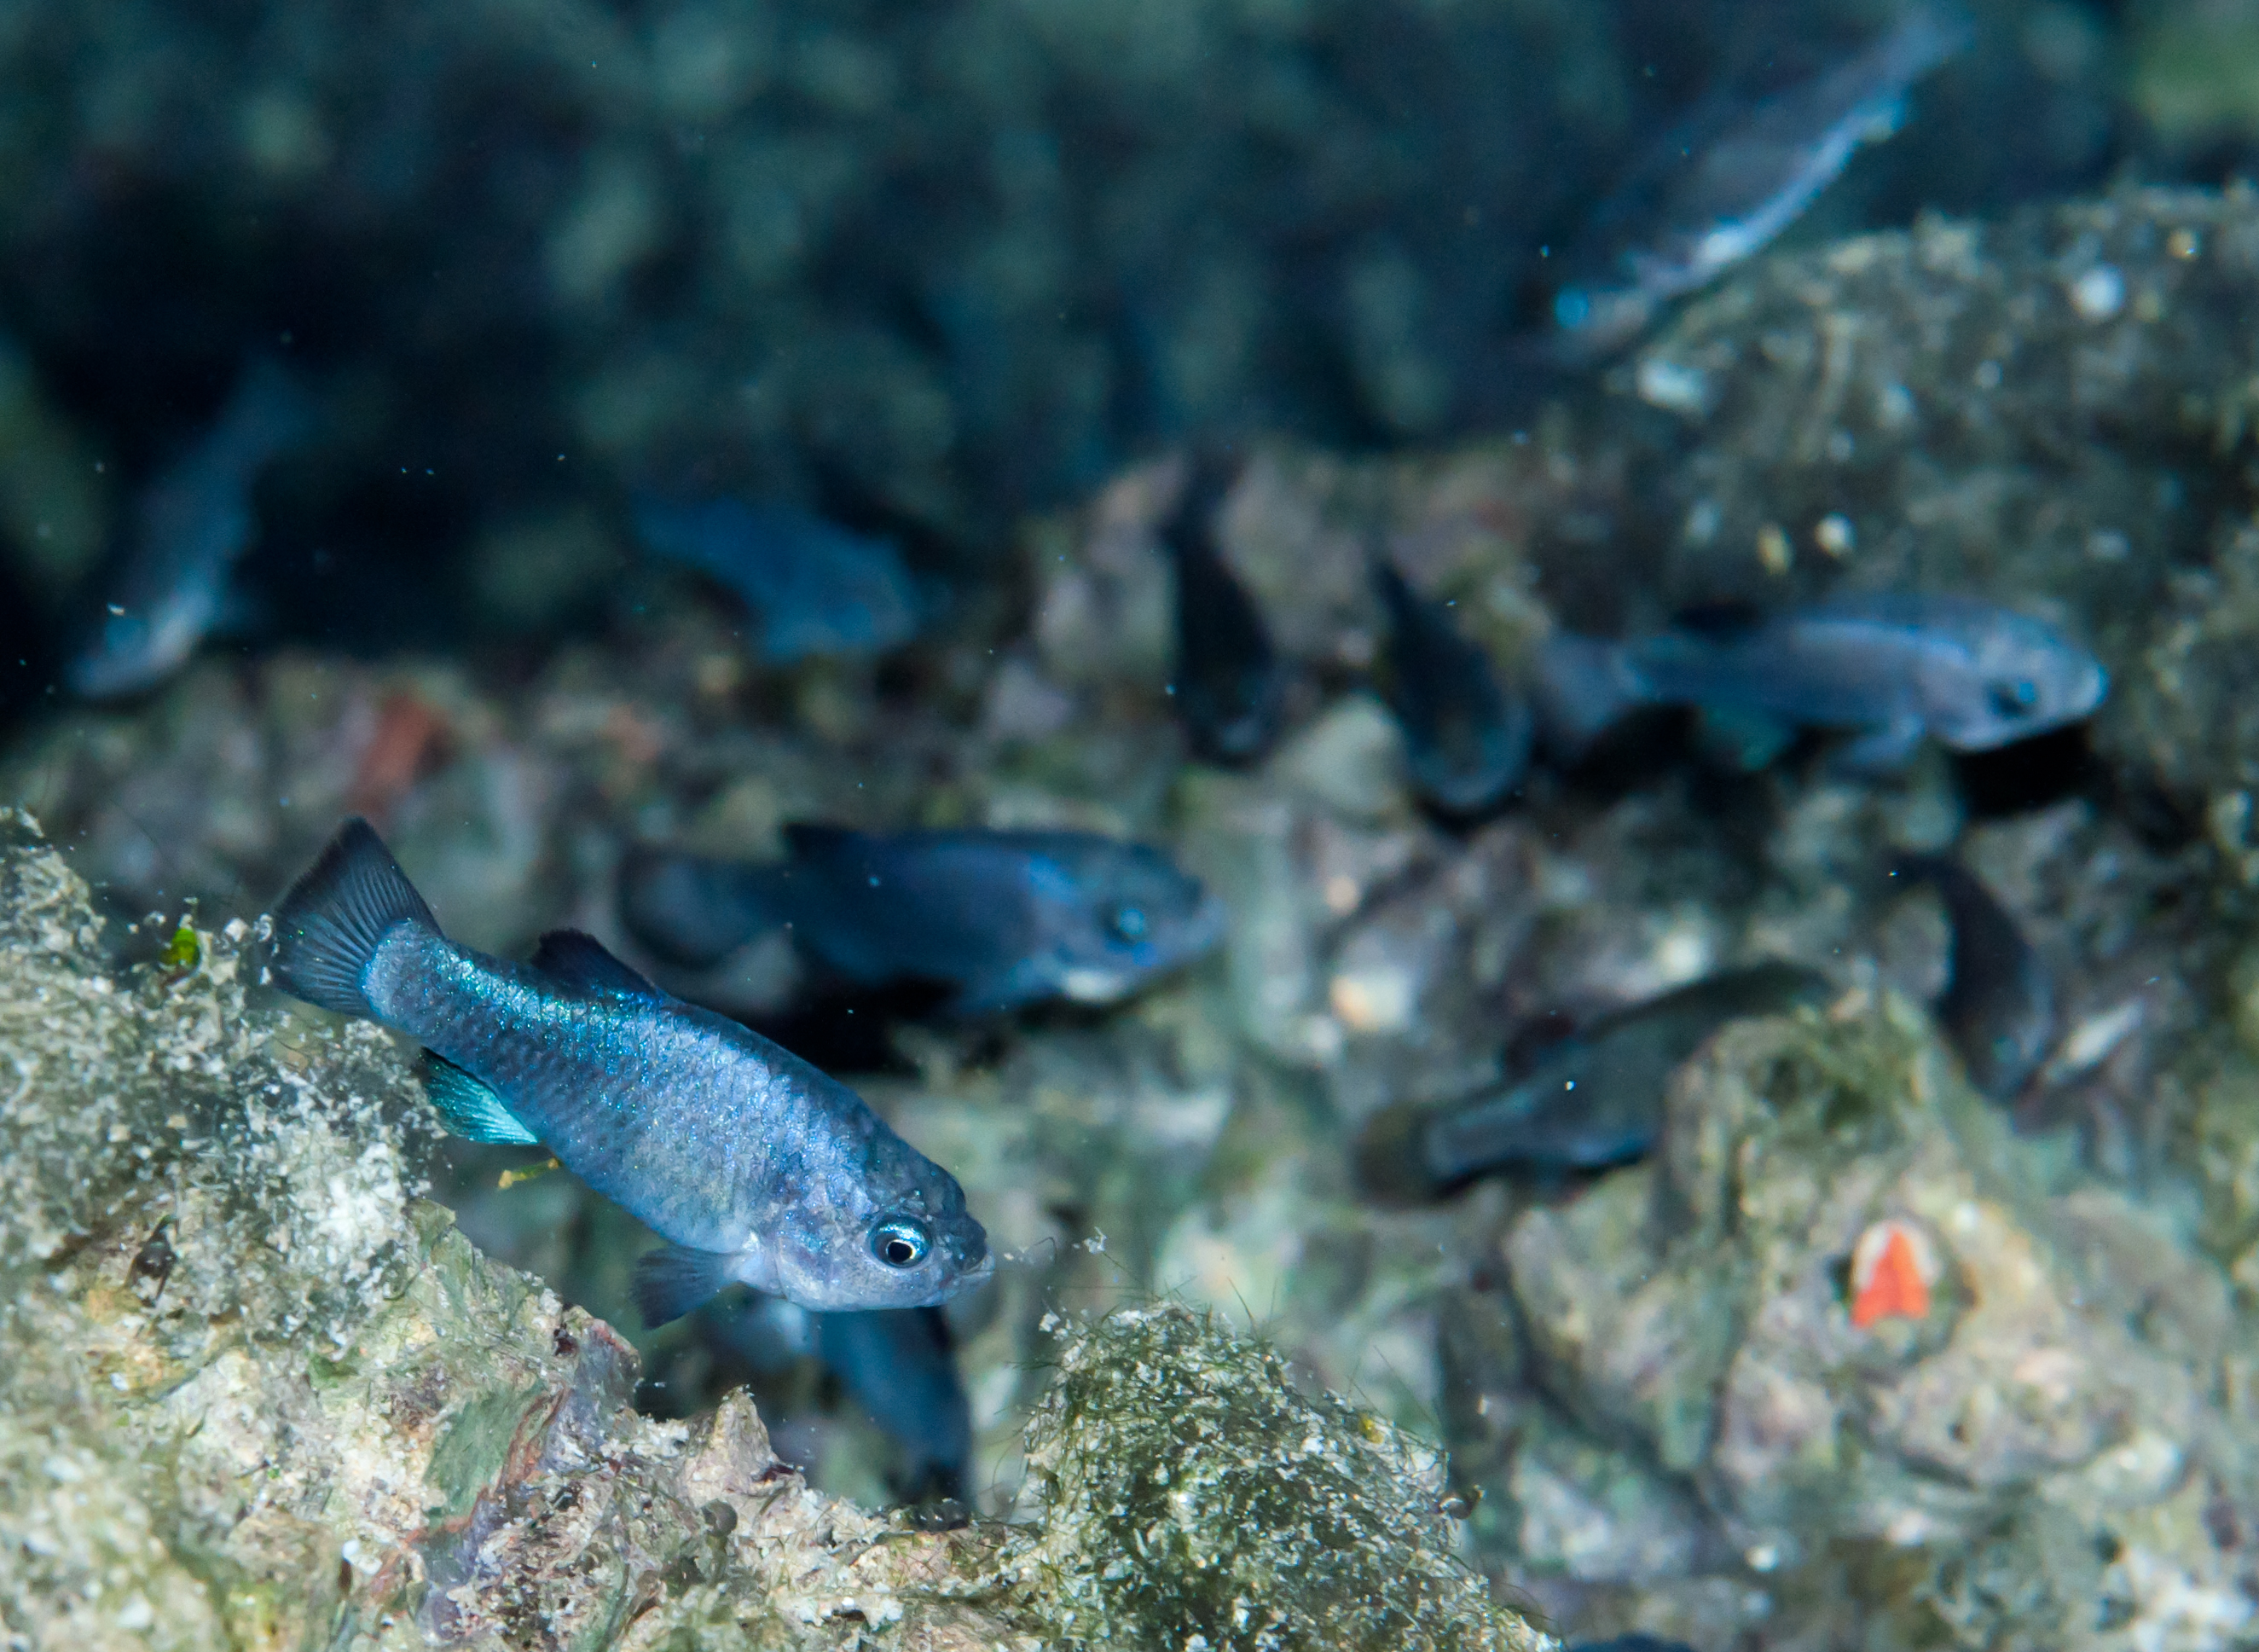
<point>1527,730</point>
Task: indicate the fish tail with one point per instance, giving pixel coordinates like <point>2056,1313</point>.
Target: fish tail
<point>1584,686</point>
<point>692,911</point>
<point>331,923</point>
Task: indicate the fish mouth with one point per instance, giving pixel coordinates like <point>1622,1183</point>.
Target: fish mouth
<point>974,1278</point>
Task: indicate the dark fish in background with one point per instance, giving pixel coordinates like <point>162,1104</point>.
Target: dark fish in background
<point>753,1165</point>
<point>171,585</point>
<point>1892,668</point>
<point>1732,179</point>
<point>1998,1006</point>
<point>898,1367</point>
<point>1467,739</point>
<point>1229,685</point>
<point>1592,1099</point>
<point>817,589</point>
<point>1006,918</point>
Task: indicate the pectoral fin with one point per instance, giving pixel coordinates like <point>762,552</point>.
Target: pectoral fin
<point>674,1279</point>
<point>470,1106</point>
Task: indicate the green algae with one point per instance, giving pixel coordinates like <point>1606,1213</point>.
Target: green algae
<point>1193,1496</point>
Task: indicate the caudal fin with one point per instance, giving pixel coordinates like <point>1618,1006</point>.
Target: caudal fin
<point>329,924</point>
<point>1584,688</point>
<point>691,911</point>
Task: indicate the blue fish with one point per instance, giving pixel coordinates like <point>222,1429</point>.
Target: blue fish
<point>1466,739</point>
<point>817,589</point>
<point>1594,1099</point>
<point>1998,1005</point>
<point>898,1367</point>
<point>1006,918</point>
<point>171,586</point>
<point>753,1165</point>
<point>1891,669</point>
<point>1229,686</point>
<point>1724,186</point>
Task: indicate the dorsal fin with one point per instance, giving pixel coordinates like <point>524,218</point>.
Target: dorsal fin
<point>574,958</point>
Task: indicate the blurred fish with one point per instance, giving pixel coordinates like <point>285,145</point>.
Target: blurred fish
<point>753,1165</point>
<point>1629,1644</point>
<point>1998,1005</point>
<point>1893,668</point>
<point>817,589</point>
<point>1467,739</point>
<point>1594,1099</point>
<point>170,586</point>
<point>1229,683</point>
<point>1008,918</point>
<point>898,1367</point>
<point>1729,180</point>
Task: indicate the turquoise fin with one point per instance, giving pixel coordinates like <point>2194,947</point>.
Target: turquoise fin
<point>470,1106</point>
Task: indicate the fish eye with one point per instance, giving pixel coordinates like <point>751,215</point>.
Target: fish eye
<point>1126,923</point>
<point>2015,697</point>
<point>899,1242</point>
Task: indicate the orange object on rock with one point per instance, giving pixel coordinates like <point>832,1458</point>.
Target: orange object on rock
<point>405,745</point>
<point>1892,1270</point>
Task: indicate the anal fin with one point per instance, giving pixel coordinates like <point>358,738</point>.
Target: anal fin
<point>470,1106</point>
<point>674,1279</point>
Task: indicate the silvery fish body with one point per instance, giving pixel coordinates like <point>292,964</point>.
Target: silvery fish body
<point>1466,739</point>
<point>816,588</point>
<point>192,523</point>
<point>755,1166</point>
<point>1714,193</point>
<point>1893,668</point>
<point>1008,918</point>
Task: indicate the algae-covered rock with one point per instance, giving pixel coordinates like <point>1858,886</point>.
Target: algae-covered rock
<point>2045,1421</point>
<point>1194,1498</point>
<point>2054,411</point>
<point>258,1394</point>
